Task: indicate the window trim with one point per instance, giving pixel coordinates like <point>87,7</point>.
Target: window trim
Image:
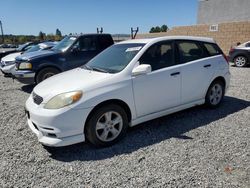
<point>198,43</point>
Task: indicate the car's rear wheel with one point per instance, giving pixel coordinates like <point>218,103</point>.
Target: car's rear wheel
<point>240,61</point>
<point>45,73</point>
<point>106,125</point>
<point>215,94</point>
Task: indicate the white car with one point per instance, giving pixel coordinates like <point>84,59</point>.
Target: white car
<point>129,83</point>
<point>7,64</point>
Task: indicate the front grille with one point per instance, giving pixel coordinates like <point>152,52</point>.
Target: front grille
<point>37,99</point>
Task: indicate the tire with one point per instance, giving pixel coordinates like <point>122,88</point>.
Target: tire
<point>101,130</point>
<point>240,61</point>
<point>215,94</point>
<point>46,73</point>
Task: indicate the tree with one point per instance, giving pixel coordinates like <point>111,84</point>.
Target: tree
<point>152,30</point>
<point>164,28</point>
<point>157,29</point>
<point>41,36</point>
<point>58,35</point>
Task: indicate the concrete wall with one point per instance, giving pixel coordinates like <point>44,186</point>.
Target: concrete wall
<point>228,34</point>
<point>219,11</point>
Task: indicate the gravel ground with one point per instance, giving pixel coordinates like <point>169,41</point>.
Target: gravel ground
<point>197,147</point>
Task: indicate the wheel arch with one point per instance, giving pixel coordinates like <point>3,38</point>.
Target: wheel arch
<point>119,102</point>
<point>218,78</point>
<point>44,67</point>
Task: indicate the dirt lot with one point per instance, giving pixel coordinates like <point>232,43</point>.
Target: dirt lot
<point>197,147</point>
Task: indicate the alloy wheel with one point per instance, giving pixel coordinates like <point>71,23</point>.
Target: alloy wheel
<point>240,61</point>
<point>109,126</point>
<point>216,94</point>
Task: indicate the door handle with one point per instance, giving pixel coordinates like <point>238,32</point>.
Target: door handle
<point>208,65</point>
<point>174,73</point>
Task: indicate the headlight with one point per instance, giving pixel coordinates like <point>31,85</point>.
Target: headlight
<point>25,66</point>
<point>63,100</point>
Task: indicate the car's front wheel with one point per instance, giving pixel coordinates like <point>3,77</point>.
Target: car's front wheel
<point>106,125</point>
<point>240,61</point>
<point>45,73</point>
<point>215,94</point>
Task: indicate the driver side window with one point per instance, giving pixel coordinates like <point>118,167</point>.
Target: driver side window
<point>159,56</point>
<point>86,44</point>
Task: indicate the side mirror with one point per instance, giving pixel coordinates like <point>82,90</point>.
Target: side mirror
<point>141,69</point>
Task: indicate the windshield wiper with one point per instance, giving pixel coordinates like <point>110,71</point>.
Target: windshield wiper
<point>99,69</point>
<point>87,67</point>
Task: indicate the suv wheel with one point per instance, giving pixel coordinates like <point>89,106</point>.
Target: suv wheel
<point>215,94</point>
<point>45,73</point>
<point>107,125</point>
<point>240,61</point>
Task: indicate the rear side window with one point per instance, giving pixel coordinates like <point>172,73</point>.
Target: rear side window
<point>248,44</point>
<point>105,41</point>
<point>189,51</point>
<point>212,49</point>
<point>87,43</point>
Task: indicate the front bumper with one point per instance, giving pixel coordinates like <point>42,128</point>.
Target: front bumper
<point>59,127</point>
<point>24,76</point>
<point>8,69</point>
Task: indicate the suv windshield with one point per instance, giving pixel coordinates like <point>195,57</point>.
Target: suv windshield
<point>33,48</point>
<point>64,44</point>
<point>20,47</point>
<point>115,58</point>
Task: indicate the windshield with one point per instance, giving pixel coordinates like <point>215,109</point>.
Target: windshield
<point>115,58</point>
<point>20,47</point>
<point>33,49</point>
<point>64,44</point>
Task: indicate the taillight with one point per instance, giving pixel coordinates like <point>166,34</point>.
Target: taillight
<point>226,58</point>
<point>231,50</point>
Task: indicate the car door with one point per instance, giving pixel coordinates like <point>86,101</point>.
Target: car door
<point>82,51</point>
<point>196,70</point>
<point>159,89</point>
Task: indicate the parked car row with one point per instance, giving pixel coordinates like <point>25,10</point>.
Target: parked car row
<point>125,84</point>
<point>20,48</point>
<point>8,63</point>
<point>240,55</point>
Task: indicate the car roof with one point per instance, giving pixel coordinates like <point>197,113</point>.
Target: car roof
<point>89,34</point>
<point>158,39</point>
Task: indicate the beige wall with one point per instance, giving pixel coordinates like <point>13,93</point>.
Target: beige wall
<point>228,34</point>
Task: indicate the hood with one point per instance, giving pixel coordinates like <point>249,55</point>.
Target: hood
<point>76,79</point>
<point>36,54</point>
<point>4,50</point>
<point>11,57</point>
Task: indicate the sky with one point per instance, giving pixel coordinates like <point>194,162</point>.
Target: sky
<point>84,16</point>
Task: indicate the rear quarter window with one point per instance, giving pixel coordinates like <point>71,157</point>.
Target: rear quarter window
<point>212,49</point>
<point>189,51</point>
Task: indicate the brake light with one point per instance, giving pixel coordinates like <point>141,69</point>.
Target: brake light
<point>231,50</point>
<point>226,58</point>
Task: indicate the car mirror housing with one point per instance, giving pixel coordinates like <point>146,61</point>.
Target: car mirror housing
<point>141,69</point>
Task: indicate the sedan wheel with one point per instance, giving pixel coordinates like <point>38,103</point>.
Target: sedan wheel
<point>240,61</point>
<point>109,126</point>
<point>106,125</point>
<point>215,94</point>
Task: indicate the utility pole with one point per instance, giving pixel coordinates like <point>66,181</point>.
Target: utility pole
<point>2,31</point>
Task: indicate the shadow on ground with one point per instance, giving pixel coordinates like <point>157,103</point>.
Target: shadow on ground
<point>152,132</point>
<point>27,88</point>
